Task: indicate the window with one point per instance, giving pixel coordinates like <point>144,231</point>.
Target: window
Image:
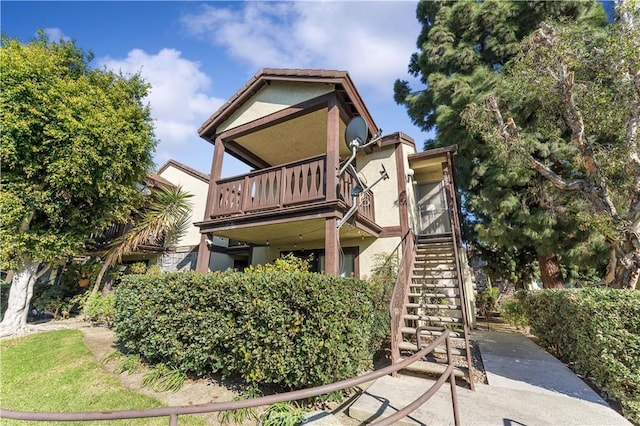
<point>316,260</point>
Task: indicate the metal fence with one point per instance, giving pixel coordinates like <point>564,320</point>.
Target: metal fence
<point>174,412</point>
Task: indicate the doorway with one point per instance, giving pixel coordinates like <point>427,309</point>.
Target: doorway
<point>433,212</point>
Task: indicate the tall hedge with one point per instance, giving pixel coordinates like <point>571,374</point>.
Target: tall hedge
<point>295,329</point>
<point>598,330</point>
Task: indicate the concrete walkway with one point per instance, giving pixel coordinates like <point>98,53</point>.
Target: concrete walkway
<point>527,386</point>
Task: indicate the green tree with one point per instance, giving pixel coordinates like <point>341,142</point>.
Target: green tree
<point>463,48</point>
<point>582,135</point>
<point>75,141</point>
<point>164,218</point>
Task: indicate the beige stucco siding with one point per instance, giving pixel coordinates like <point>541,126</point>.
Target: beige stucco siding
<point>274,97</point>
<point>385,193</point>
<point>412,206</point>
<point>371,250</point>
<point>199,189</point>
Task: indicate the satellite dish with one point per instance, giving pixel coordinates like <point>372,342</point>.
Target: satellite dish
<point>356,133</point>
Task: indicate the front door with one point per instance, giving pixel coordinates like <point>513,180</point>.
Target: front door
<point>433,209</point>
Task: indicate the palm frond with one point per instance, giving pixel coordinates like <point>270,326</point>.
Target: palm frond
<point>163,222</point>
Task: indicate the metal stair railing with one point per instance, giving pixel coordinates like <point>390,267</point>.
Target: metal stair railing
<point>175,411</point>
<point>400,290</point>
<point>452,202</point>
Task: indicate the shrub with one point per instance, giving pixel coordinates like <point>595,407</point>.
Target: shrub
<point>487,301</point>
<point>287,263</point>
<point>137,268</point>
<point>597,329</point>
<point>161,378</point>
<point>294,329</point>
<point>100,309</point>
<point>512,310</point>
<point>58,299</point>
<point>281,414</point>
<point>381,283</point>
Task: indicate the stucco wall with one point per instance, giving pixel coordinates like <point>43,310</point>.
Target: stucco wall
<point>274,97</point>
<point>370,249</point>
<point>385,193</point>
<point>179,261</point>
<point>412,206</point>
<point>199,190</point>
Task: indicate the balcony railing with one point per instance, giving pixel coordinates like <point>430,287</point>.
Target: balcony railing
<point>278,188</point>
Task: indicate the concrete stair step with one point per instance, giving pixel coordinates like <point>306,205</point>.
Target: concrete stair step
<point>434,369</point>
<point>433,265</point>
<point>434,256</point>
<point>433,277</point>
<point>441,238</point>
<point>429,259</point>
<point>409,346</point>
<point>433,306</point>
<point>412,331</point>
<point>432,318</point>
<point>423,251</point>
<point>430,295</point>
<point>446,245</point>
<point>436,285</point>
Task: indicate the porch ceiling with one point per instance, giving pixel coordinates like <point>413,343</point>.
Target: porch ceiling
<point>427,169</point>
<point>292,140</point>
<point>301,233</point>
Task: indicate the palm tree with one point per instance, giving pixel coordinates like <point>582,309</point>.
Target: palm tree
<point>163,221</point>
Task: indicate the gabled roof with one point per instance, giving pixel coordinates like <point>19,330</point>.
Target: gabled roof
<point>154,180</point>
<point>186,169</point>
<point>344,86</point>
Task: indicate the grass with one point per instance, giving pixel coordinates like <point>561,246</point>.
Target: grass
<point>55,371</point>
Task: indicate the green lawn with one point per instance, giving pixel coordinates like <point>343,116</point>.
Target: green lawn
<point>55,371</point>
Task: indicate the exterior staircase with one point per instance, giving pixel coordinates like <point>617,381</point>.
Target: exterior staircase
<point>434,298</point>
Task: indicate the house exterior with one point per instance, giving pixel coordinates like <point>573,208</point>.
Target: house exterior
<point>185,254</point>
<point>301,197</point>
<point>289,125</point>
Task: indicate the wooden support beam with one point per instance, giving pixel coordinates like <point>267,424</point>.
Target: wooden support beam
<point>331,259</point>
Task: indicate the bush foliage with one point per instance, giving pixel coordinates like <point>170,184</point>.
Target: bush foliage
<point>100,309</point>
<point>596,329</point>
<point>294,328</point>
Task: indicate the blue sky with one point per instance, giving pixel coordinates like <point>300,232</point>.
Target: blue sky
<point>197,54</point>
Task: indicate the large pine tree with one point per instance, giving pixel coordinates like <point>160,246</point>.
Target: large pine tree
<point>515,215</point>
<point>582,135</point>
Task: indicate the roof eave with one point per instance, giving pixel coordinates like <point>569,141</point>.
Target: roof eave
<point>264,76</point>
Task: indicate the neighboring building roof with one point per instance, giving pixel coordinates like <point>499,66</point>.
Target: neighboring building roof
<point>395,138</point>
<point>436,152</point>
<point>155,180</point>
<point>340,78</point>
<point>186,169</point>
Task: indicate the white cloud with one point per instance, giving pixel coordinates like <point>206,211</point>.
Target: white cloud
<point>371,40</point>
<point>178,96</point>
<point>55,34</point>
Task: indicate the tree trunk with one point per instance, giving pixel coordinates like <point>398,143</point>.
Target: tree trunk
<point>623,270</point>
<point>550,272</point>
<point>15,318</point>
<point>103,270</point>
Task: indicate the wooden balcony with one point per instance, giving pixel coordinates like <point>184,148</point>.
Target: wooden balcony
<point>283,189</point>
